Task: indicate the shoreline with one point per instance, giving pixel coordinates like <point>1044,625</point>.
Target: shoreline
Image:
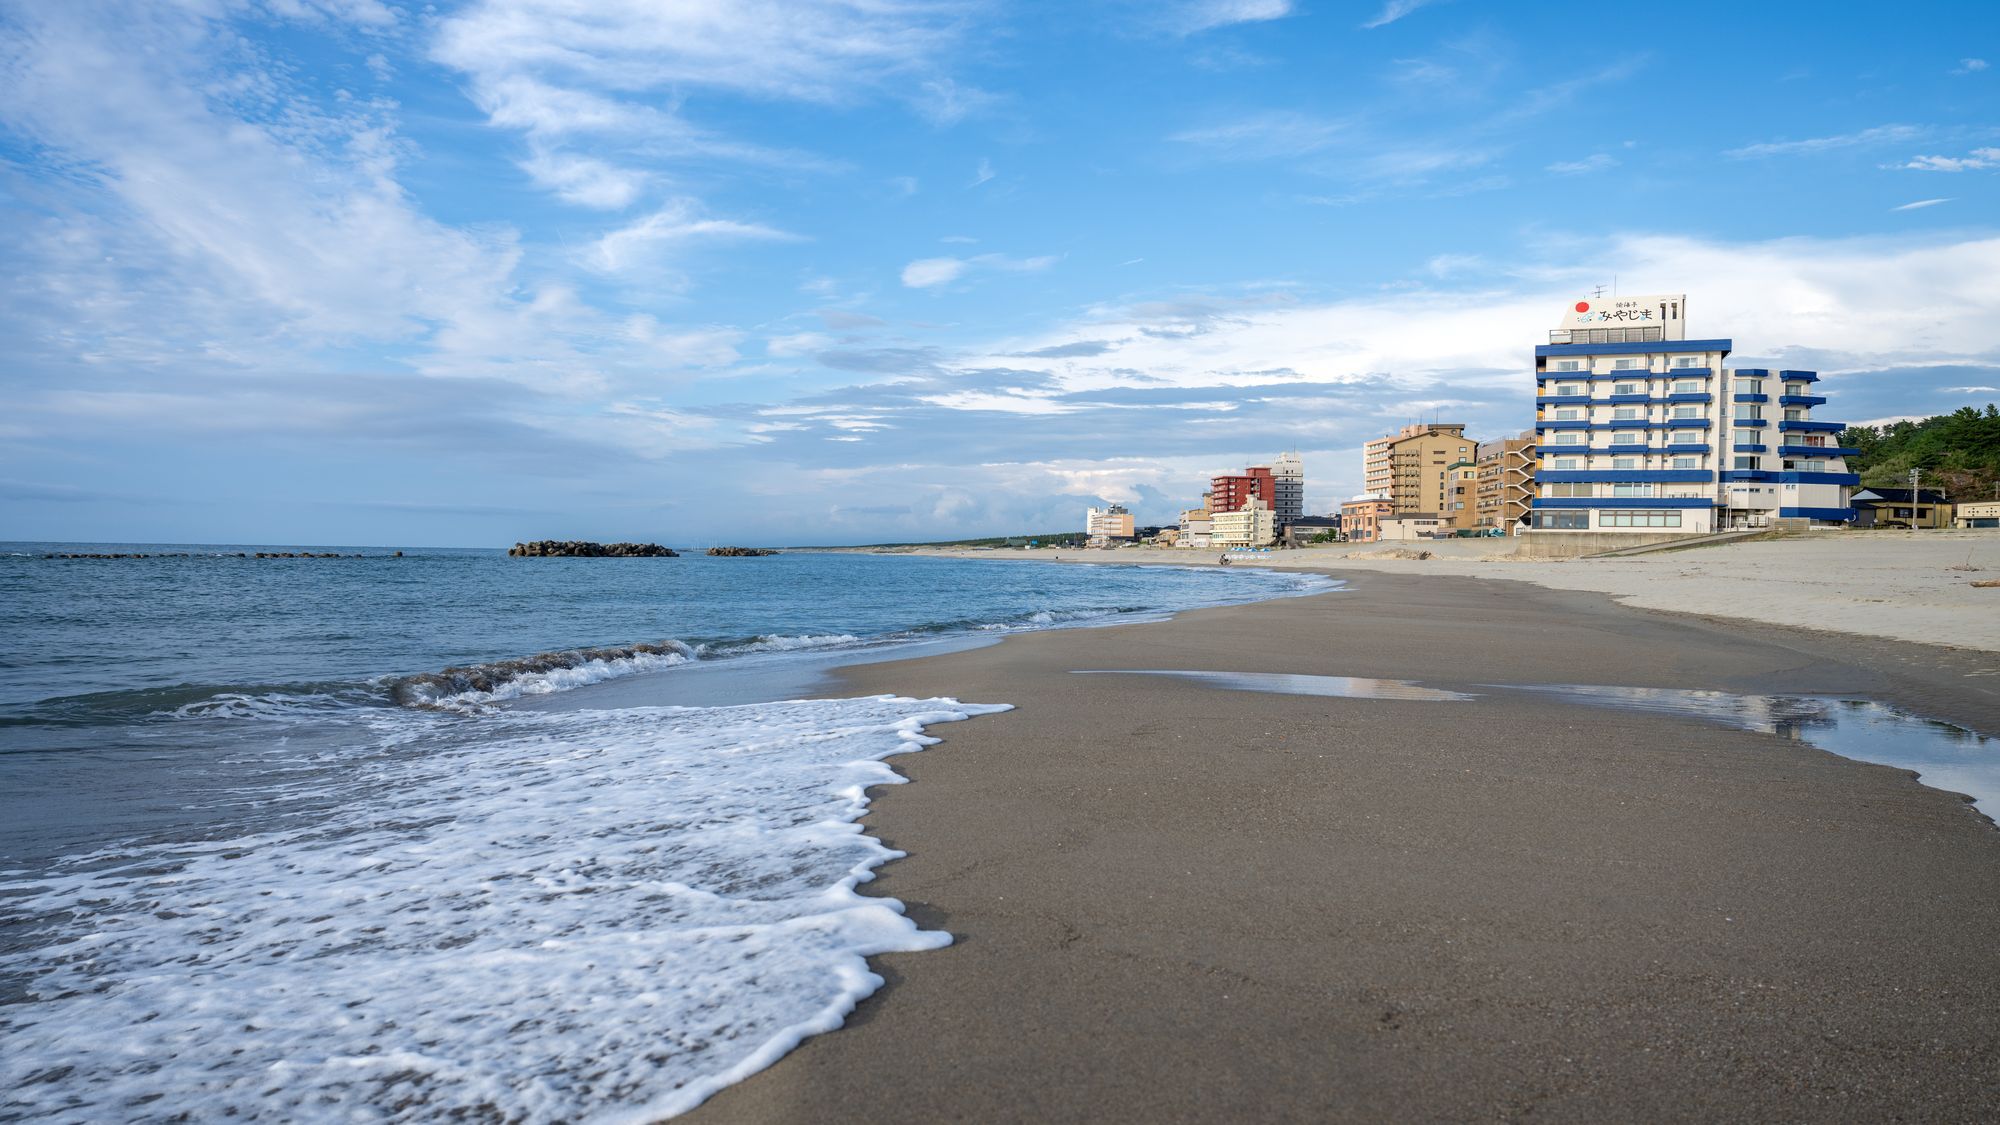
<point>1176,902</point>
<point>1896,585</point>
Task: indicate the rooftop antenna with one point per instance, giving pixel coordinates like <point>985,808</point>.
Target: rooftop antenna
<point>1598,293</point>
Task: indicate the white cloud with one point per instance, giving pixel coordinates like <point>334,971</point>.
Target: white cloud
<point>585,181</point>
<point>1879,135</point>
<point>1595,162</point>
<point>1202,15</point>
<point>678,222</point>
<point>1273,133</point>
<point>982,173</point>
<point>925,273</point>
<point>1395,10</point>
<point>1977,159</point>
<point>1970,66</point>
<point>1921,204</point>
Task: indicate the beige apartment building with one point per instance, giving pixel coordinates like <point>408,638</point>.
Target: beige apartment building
<point>1361,518</point>
<point>1505,483</point>
<point>1420,476</point>
<point>1377,474</point>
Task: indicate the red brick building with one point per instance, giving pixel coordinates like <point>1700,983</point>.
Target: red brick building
<point>1228,493</point>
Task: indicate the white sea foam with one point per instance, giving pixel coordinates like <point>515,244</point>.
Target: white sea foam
<point>526,916</point>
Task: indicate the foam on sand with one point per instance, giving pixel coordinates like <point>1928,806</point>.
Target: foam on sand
<point>529,916</point>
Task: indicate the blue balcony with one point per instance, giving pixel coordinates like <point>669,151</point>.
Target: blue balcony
<point>1689,373</point>
<point>1689,396</point>
<point>1563,424</point>
<point>1748,422</point>
<point>1689,447</point>
<point>1749,448</point>
<point>1627,400</point>
<point>1753,372</point>
<point>1841,515</point>
<point>1748,474</point>
<point>1799,376</point>
<point>1628,449</point>
<point>1753,398</point>
<point>1802,400</point>
<point>1811,427</point>
<point>1562,400</point>
<point>1687,423</point>
<point>1800,477</point>
<point>1819,451</point>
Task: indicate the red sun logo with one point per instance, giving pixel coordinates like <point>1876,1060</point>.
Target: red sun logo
<point>1583,306</point>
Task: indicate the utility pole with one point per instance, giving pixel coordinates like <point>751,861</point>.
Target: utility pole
<point>1915,476</point>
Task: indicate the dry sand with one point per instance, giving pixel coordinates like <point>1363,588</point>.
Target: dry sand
<point>1177,903</point>
<point>1904,585</point>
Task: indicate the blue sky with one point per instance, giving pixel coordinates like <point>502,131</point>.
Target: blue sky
<point>354,271</point>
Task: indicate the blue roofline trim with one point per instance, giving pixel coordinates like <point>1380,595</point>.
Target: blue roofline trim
<point>1636,349</point>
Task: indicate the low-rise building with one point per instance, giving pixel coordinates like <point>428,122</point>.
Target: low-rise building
<point>1253,525</point>
<point>1399,528</point>
<point>1901,507</point>
<point>1981,513</point>
<point>1307,530</point>
<point>1361,517</point>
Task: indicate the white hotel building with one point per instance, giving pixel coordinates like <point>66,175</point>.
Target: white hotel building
<point>1642,430</point>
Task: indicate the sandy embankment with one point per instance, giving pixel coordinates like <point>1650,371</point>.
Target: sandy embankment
<point>1900,585</point>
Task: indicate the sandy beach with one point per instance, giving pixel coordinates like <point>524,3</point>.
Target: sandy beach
<point>1174,902</point>
<point>1904,585</point>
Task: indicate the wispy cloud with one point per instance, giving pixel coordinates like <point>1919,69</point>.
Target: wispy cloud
<point>1395,10</point>
<point>1921,204</point>
<point>1977,159</point>
<point>1595,162</point>
<point>929,273</point>
<point>1879,135</point>
<point>981,174</point>
<point>678,222</point>
<point>1275,133</point>
<point>1202,15</point>
<point>1970,66</point>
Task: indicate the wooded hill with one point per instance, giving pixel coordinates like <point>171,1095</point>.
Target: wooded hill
<point>1958,452</point>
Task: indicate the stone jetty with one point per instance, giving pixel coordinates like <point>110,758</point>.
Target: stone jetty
<point>740,552</point>
<point>580,549</point>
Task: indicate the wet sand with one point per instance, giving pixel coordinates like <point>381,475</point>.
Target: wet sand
<point>1180,903</point>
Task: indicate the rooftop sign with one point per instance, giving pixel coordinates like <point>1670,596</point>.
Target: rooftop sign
<point>1664,311</point>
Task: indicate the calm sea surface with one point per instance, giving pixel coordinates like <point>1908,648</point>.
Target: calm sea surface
<point>291,837</point>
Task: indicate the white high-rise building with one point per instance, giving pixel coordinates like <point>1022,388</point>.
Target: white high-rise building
<point>1288,478</point>
<point>1643,430</point>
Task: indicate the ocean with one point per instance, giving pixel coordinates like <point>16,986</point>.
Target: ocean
<point>458,835</point>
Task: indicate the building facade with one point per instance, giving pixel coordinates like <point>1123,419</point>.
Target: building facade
<point>1505,484</point>
<point>1253,525</point>
<point>1231,491</point>
<point>1979,513</point>
<point>1640,430</point>
<point>1361,518</point>
<point>1288,483</point>
<point>1105,524</point>
<point>1902,507</point>
<point>1421,480</point>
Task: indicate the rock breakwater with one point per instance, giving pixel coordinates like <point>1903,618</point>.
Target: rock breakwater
<point>740,552</point>
<point>580,549</point>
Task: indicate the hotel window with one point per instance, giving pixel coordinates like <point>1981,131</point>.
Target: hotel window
<point>1569,439</point>
<point>1569,462</point>
<point>1687,411</point>
<point>1625,414</point>
<point>1812,466</point>
<point>1570,389</point>
<point>1747,437</point>
<point>1568,414</point>
<point>1795,388</point>
<point>1748,412</point>
<point>1685,361</point>
<point>1749,386</point>
<point>1629,437</point>
<point>1568,488</point>
<point>1627,389</point>
<point>1746,461</point>
<point>1629,490</point>
<point>1624,462</point>
<point>1566,365</point>
<point>1687,387</point>
<point>1794,414</point>
<point>1624,364</point>
<point>1687,462</point>
<point>1563,521</point>
<point>1639,519</point>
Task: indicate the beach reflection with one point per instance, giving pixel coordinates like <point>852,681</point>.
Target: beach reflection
<point>1282,683</point>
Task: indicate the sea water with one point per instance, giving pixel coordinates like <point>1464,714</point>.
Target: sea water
<point>280,838</point>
